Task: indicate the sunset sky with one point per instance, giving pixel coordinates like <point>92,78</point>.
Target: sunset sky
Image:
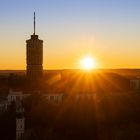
<point>108,30</point>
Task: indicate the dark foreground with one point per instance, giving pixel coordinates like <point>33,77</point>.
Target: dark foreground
<point>113,113</point>
<point>112,118</point>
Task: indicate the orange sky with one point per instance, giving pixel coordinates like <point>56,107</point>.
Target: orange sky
<point>107,30</point>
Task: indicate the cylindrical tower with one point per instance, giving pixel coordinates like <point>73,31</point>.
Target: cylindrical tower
<point>34,49</point>
<point>34,56</point>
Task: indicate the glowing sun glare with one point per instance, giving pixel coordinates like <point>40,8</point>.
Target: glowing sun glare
<point>88,63</point>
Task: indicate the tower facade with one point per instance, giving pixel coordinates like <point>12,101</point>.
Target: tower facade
<point>34,56</point>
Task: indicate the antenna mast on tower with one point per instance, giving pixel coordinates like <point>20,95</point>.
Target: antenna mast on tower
<point>34,23</point>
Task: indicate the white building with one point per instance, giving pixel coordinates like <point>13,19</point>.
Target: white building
<point>16,96</point>
<point>20,123</point>
<point>20,128</point>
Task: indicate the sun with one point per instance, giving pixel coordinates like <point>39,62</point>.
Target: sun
<point>88,63</point>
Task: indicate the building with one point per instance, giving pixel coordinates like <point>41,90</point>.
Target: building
<point>34,56</point>
<point>16,96</point>
<point>20,122</point>
<point>54,97</point>
<point>3,102</point>
<point>135,83</point>
<point>85,97</point>
<point>3,106</point>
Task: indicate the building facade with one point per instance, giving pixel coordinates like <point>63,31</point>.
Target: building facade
<point>20,122</point>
